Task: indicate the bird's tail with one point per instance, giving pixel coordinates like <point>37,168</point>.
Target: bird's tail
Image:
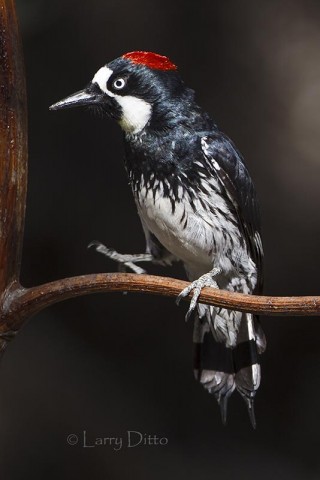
<point>221,369</point>
<point>251,343</point>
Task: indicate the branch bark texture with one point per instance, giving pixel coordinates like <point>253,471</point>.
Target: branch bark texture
<point>13,146</point>
<point>13,153</point>
<point>27,302</point>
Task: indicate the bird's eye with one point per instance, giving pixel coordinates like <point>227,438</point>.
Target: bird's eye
<point>119,83</point>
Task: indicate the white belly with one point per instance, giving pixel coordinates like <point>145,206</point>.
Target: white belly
<point>186,233</point>
<point>203,236</point>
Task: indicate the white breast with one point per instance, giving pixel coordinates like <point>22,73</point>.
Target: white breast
<point>191,234</point>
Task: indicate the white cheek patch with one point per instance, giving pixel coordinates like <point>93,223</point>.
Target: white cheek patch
<point>136,113</point>
<point>101,78</point>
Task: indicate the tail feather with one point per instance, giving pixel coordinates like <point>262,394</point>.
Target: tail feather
<point>221,369</point>
<point>250,406</point>
<point>260,336</point>
<point>213,365</point>
<point>250,343</point>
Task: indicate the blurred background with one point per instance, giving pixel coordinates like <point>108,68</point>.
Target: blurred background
<point>112,363</point>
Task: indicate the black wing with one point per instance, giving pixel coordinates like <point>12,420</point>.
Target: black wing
<point>229,167</point>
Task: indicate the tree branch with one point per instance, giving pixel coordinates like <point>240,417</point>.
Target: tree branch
<point>13,156</point>
<point>13,146</point>
<point>22,303</point>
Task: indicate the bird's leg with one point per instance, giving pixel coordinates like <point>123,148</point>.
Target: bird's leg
<point>124,261</point>
<point>206,280</point>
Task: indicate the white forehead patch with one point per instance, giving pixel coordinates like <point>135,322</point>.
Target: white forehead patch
<point>136,113</point>
<point>101,78</point>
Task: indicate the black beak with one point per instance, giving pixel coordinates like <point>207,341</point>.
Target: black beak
<point>85,97</point>
<point>91,96</point>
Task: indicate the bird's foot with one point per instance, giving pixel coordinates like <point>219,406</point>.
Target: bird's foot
<point>206,280</point>
<point>124,261</point>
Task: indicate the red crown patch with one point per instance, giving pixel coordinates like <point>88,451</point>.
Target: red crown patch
<point>151,60</point>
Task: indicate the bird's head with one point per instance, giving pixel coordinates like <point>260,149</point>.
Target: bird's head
<point>137,89</point>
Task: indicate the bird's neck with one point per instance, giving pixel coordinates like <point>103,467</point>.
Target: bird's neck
<point>163,155</point>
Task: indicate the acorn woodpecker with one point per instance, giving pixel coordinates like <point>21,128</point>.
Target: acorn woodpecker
<point>197,204</point>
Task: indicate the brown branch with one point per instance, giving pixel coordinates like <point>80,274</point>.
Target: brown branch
<point>23,303</point>
<point>13,155</point>
<point>17,304</point>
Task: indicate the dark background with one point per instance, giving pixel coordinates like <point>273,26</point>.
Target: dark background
<point>112,363</point>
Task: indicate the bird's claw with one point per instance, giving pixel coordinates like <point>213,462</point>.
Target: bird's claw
<point>124,261</point>
<point>206,280</point>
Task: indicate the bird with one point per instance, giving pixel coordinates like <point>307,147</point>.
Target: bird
<point>197,204</point>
